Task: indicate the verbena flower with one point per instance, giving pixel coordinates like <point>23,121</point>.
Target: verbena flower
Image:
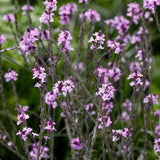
<point>97,40</point>
<point>26,8</point>
<point>64,40</point>
<point>39,73</point>
<point>62,88</point>
<point>92,16</point>
<point>134,12</point>
<point>115,46</point>
<point>118,134</point>
<point>136,79</point>
<point>76,144</point>
<point>50,126</point>
<point>51,5</point>
<point>106,92</point>
<point>128,105</point>
<point>11,76</point>
<point>26,44</point>
<point>8,18</point>
<point>149,4</point>
<point>22,118</point>
<point>151,99</point>
<point>50,99</point>
<point>105,121</point>
<point>83,1</point>
<point>43,150</point>
<point>66,11</point>
<point>2,39</point>
<point>24,133</point>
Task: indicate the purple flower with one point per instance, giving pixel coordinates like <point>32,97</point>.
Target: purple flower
<point>11,76</point>
<point>22,118</point>
<point>92,16</point>
<point>45,35</point>
<point>114,73</point>
<point>157,147</point>
<point>51,5</point>
<point>39,72</point>
<point>76,144</point>
<point>50,126</point>
<point>118,134</point>
<point>83,1</point>
<point>125,116</point>
<point>66,11</point>
<point>135,66</point>
<point>120,23</point>
<point>27,42</point>
<point>128,105</point>
<point>115,46</point>
<point>43,150</point>
<point>134,12</point>
<point>157,130</point>
<point>2,39</point>
<point>8,18</point>
<point>136,77</point>
<point>149,4</point>
<point>106,92</point>
<point>97,40</point>
<point>64,40</point>
<point>46,17</point>
<point>157,114</point>
<point>104,122</point>
<point>24,133</point>
<point>26,8</point>
<point>151,98</point>
<point>50,99</point>
<point>108,106</point>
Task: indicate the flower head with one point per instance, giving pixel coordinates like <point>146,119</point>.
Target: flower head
<point>76,144</point>
<point>11,76</point>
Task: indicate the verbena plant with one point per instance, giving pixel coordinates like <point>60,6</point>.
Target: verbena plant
<point>102,87</point>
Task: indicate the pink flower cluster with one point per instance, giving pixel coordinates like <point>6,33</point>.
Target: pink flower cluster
<point>151,99</point>
<point>60,88</point>
<point>115,46</point>
<point>106,92</point>
<point>97,39</point>
<point>8,18</point>
<point>47,16</point>
<point>39,73</point>
<point>27,42</point>
<point>134,12</point>
<point>27,8</point>
<point>24,133</point>
<point>76,144</point>
<point>136,79</point>
<point>50,99</point>
<point>120,23</point>
<point>11,76</point>
<point>105,121</point>
<point>64,40</point>
<point>43,150</point>
<point>92,16</point>
<point>2,39</point>
<point>50,126</point>
<point>149,4</point>
<point>83,1</point>
<point>118,134</point>
<point>66,11</point>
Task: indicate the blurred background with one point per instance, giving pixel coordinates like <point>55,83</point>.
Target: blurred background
<point>30,95</point>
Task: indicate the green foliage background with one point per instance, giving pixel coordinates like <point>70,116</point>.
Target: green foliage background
<point>27,94</point>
